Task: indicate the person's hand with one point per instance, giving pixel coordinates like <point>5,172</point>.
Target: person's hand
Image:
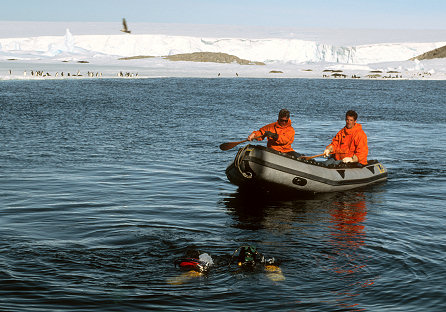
<point>251,136</point>
<point>326,153</point>
<point>267,134</point>
<point>271,135</point>
<point>347,160</point>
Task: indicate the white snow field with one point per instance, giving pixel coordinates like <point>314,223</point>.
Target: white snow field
<point>94,50</point>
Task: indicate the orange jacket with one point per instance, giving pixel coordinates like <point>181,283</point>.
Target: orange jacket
<point>349,142</point>
<point>286,136</point>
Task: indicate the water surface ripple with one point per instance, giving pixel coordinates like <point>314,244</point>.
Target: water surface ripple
<point>103,183</point>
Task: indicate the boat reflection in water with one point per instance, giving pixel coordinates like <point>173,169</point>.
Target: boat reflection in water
<point>320,238</point>
<point>348,253</point>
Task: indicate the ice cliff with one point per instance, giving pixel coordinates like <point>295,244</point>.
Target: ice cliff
<point>264,50</point>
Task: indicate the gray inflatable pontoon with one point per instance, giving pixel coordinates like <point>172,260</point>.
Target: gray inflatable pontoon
<point>261,166</point>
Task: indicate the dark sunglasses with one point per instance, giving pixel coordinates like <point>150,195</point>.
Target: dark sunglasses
<point>283,120</point>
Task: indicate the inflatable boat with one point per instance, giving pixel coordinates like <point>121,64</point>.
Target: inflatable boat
<point>258,166</point>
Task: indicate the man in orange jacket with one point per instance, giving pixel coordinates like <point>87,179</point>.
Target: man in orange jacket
<point>349,144</point>
<point>280,134</point>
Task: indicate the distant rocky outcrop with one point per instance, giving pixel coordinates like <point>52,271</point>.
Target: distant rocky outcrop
<point>137,57</point>
<point>332,70</point>
<point>436,53</point>
<point>214,57</point>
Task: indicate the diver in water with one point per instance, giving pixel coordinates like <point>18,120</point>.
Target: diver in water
<point>249,259</point>
<point>246,257</point>
<point>194,260</point>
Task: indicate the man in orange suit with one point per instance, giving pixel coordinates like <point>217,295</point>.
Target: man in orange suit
<point>349,144</point>
<point>280,134</point>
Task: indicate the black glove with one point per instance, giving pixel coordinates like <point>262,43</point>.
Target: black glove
<point>271,135</point>
<point>267,134</point>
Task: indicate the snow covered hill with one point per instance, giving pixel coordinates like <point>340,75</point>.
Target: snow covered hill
<point>268,50</point>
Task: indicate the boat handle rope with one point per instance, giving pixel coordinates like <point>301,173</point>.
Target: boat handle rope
<point>238,160</point>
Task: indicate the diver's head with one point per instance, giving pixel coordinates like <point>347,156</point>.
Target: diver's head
<point>247,256</point>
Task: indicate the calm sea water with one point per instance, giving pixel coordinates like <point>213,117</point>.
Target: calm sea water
<point>104,183</point>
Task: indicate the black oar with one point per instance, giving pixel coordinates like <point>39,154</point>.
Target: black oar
<point>228,145</point>
<point>311,157</point>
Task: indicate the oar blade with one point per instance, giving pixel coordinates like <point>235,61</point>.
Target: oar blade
<point>228,145</point>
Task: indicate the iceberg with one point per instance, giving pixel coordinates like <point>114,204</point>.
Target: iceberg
<point>69,41</point>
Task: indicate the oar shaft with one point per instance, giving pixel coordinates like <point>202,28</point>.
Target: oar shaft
<point>228,145</point>
<point>311,157</point>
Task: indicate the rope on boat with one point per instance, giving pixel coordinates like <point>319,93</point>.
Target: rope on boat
<point>239,158</point>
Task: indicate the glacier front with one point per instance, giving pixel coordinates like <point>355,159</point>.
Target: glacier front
<point>267,50</point>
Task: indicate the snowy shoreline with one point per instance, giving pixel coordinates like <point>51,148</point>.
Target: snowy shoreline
<point>23,71</point>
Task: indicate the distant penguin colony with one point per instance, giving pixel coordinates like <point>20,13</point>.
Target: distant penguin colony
<point>219,74</point>
<point>121,74</point>
<point>29,74</point>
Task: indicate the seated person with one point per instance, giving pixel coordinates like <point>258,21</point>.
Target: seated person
<point>350,144</point>
<point>280,134</point>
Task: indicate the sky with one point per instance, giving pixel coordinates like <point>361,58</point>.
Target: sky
<point>342,14</point>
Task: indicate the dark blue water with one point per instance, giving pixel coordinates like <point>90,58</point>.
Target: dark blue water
<point>104,183</point>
